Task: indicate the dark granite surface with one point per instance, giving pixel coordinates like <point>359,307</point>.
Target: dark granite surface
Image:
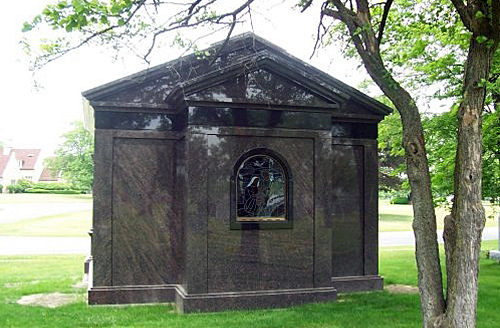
<point>167,141</point>
<point>196,213</point>
<point>348,183</point>
<point>145,228</point>
<point>101,218</point>
<point>114,259</point>
<point>280,258</point>
<point>260,118</point>
<point>133,121</point>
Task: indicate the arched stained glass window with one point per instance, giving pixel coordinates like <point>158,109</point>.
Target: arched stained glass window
<point>261,189</point>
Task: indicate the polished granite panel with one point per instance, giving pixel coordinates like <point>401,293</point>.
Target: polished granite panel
<point>323,212</point>
<point>133,121</point>
<point>354,130</point>
<point>101,221</point>
<point>195,202</point>
<point>371,208</point>
<point>259,118</point>
<point>243,260</point>
<point>146,230</point>
<point>348,184</point>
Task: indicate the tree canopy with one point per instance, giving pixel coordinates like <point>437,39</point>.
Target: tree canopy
<point>74,157</point>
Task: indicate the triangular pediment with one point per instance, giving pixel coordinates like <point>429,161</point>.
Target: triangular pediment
<point>246,71</point>
<point>261,86</point>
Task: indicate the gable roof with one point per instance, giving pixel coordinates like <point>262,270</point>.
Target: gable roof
<point>166,86</point>
<point>29,157</point>
<point>4,159</point>
<point>47,175</point>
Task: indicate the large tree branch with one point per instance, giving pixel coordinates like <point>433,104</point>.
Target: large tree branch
<point>463,12</point>
<point>385,15</point>
<point>306,5</point>
<point>184,23</point>
<point>140,4</point>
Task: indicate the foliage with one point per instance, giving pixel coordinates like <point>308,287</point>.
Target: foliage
<point>20,186</point>
<point>53,191</point>
<point>491,156</point>
<point>441,141</point>
<point>52,185</point>
<point>14,189</point>
<point>391,155</point>
<point>74,158</point>
<point>133,24</point>
<point>400,201</point>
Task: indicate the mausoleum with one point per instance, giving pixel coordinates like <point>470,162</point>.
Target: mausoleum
<point>239,177</point>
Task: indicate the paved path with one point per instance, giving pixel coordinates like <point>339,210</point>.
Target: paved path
<point>401,238</point>
<point>13,245</point>
<point>10,245</point>
<point>13,212</point>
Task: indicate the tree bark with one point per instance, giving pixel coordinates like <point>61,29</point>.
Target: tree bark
<point>463,229</point>
<point>424,222</point>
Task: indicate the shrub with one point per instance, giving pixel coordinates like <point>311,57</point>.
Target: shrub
<point>1,188</point>
<point>52,186</point>
<point>14,189</point>
<point>400,201</point>
<point>24,184</point>
<point>60,191</point>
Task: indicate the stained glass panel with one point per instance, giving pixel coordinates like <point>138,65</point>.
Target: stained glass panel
<point>260,190</point>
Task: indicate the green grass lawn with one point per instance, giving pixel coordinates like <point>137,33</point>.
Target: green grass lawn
<point>75,224</point>
<point>400,217</point>
<point>25,275</point>
<point>392,217</point>
<point>44,198</point>
<point>61,225</point>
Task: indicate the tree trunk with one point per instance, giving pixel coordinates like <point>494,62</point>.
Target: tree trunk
<point>463,229</point>
<point>424,222</point>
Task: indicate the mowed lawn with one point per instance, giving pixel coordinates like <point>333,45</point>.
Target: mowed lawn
<point>26,275</point>
<point>76,224</point>
<point>66,224</point>
<point>400,217</point>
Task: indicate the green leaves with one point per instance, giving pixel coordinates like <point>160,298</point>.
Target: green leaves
<point>79,14</point>
<point>481,39</point>
<point>74,157</point>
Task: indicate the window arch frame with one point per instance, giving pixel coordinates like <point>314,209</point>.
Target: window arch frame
<point>257,224</point>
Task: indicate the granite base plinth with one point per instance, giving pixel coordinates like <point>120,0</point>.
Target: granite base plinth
<point>132,294</point>
<point>358,283</point>
<point>212,302</point>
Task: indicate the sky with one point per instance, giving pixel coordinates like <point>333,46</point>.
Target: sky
<point>36,117</point>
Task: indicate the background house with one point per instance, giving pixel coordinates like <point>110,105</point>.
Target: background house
<point>16,164</point>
